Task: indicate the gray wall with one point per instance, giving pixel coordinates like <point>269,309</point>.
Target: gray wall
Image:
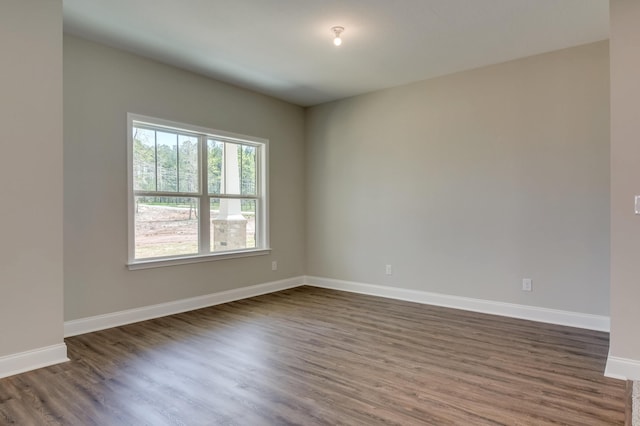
<point>31,175</point>
<point>100,86</point>
<point>465,183</point>
<point>625,178</point>
<point>468,183</point>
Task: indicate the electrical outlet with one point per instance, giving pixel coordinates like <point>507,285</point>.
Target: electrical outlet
<point>388,270</point>
<point>274,265</point>
<point>527,284</point>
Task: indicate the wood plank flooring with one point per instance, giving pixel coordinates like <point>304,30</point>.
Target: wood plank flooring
<point>311,356</point>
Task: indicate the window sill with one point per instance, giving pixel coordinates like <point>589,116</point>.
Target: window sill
<point>160,263</point>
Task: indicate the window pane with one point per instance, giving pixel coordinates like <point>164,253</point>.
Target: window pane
<point>188,164</point>
<point>215,159</point>
<point>233,224</point>
<point>247,162</point>
<point>169,188</point>
<point>231,168</point>
<point>165,226</point>
<point>167,148</point>
<point>144,159</point>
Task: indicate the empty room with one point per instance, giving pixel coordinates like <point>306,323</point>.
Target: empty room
<point>357,212</point>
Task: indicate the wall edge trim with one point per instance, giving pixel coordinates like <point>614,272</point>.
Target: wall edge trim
<point>33,359</point>
<point>622,368</point>
<point>532,313</point>
<point>130,316</point>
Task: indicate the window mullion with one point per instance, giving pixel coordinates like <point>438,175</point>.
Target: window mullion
<point>260,205</point>
<point>155,153</point>
<point>177,163</point>
<point>236,196</point>
<point>205,203</point>
<point>166,194</point>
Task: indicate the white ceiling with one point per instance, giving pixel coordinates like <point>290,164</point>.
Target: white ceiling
<point>284,48</point>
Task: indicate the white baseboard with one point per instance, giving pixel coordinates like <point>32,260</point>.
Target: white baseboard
<point>30,360</point>
<point>129,316</point>
<point>622,368</point>
<point>553,316</point>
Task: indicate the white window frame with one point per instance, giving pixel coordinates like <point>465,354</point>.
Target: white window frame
<point>204,223</point>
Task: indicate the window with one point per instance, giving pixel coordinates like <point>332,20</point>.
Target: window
<point>194,193</point>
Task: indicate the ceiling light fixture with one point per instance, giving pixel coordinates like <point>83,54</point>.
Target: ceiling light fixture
<point>337,31</point>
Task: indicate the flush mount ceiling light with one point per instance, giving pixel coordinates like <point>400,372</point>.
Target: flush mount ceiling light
<point>336,32</point>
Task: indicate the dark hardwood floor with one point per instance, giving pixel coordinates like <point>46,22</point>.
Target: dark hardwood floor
<point>311,356</point>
